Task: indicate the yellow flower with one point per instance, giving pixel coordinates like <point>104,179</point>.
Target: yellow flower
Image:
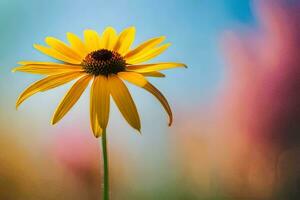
<point>106,60</point>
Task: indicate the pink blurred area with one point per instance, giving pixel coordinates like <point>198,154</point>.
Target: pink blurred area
<point>250,139</point>
<point>264,75</point>
<point>78,152</point>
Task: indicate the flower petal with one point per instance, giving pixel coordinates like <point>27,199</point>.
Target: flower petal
<point>140,81</point>
<point>92,40</point>
<point>76,44</point>
<point>94,106</point>
<point>71,98</point>
<point>47,69</point>
<point>54,54</point>
<point>153,74</point>
<point>30,62</point>
<point>154,67</point>
<point>124,101</point>
<point>149,54</point>
<point>62,48</point>
<point>102,98</point>
<point>144,48</point>
<point>109,38</point>
<point>134,78</point>
<point>154,91</point>
<point>125,40</point>
<point>47,83</point>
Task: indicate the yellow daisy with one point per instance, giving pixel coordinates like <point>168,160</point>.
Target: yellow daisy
<point>105,60</point>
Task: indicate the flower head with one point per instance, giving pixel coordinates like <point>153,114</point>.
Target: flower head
<point>106,60</point>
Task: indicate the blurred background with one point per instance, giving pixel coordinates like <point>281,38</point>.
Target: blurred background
<point>236,131</point>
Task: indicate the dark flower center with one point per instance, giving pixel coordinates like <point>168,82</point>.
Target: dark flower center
<point>103,62</point>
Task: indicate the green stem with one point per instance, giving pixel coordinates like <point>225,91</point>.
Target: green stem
<point>105,166</point>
